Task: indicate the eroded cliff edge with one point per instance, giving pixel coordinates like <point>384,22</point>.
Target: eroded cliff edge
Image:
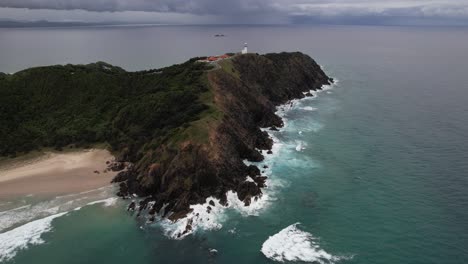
<point>207,159</point>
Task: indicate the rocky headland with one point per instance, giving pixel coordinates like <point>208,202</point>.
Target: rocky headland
<point>182,133</point>
<point>246,91</point>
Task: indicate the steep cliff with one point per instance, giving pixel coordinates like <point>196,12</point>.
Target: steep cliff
<point>245,91</point>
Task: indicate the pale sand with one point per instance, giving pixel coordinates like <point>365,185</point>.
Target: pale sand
<point>56,174</point>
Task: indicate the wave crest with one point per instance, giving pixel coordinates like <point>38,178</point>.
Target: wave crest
<point>25,235</point>
<point>293,244</point>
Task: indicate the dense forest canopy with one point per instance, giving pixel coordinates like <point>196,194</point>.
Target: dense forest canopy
<point>57,106</point>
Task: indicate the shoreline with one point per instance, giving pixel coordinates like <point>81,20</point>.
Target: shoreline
<point>200,218</point>
<point>55,173</point>
<point>197,160</point>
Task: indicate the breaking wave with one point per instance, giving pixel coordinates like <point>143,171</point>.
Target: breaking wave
<point>21,237</point>
<point>293,244</point>
<point>23,226</point>
<point>29,210</point>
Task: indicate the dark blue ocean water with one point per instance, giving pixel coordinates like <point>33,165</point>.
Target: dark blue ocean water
<point>374,169</point>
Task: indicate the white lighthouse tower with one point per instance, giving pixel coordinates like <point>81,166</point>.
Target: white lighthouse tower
<point>244,50</point>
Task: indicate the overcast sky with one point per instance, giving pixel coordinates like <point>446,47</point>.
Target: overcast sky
<point>411,12</point>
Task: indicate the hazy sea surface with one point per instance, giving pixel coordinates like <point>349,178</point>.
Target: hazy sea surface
<point>372,170</point>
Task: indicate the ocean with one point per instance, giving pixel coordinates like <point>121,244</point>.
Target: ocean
<point>371,170</point>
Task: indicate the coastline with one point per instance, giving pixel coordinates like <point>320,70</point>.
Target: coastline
<point>210,158</point>
<point>202,219</point>
<point>171,229</point>
<point>56,173</point>
<point>222,168</point>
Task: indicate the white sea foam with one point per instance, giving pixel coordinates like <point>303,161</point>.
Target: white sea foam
<point>15,209</point>
<point>300,145</point>
<point>249,179</point>
<point>24,213</point>
<point>211,217</point>
<point>35,219</point>
<point>200,218</point>
<point>107,202</point>
<point>104,188</point>
<point>309,108</point>
<point>21,237</point>
<point>293,244</point>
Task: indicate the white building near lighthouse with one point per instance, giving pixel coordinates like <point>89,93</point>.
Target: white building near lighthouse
<point>244,50</point>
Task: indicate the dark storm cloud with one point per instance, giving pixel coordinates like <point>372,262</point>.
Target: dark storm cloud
<point>175,6</point>
<point>271,11</point>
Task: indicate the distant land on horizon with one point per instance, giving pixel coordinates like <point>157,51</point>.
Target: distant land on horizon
<point>8,23</point>
<point>45,23</point>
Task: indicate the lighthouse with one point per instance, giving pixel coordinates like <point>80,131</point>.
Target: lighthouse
<point>244,50</point>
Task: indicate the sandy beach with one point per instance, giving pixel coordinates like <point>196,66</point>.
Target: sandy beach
<point>55,173</point>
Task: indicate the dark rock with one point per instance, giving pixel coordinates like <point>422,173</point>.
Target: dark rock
<point>212,203</point>
<point>143,205</point>
<point>158,204</point>
<point>131,206</point>
<point>253,171</point>
<point>269,152</point>
<point>247,200</point>
<point>255,156</point>
<point>188,227</point>
<point>246,190</point>
<point>117,166</point>
<point>260,181</point>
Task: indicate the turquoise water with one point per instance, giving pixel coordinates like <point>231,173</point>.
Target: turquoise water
<point>381,176</point>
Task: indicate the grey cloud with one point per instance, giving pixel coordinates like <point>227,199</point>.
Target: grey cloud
<point>449,8</point>
<point>176,6</point>
<point>272,11</point>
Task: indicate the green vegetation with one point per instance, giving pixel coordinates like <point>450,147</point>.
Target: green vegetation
<point>198,130</point>
<point>228,67</point>
<point>57,106</point>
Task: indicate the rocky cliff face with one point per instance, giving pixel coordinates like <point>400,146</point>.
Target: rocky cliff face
<point>245,91</point>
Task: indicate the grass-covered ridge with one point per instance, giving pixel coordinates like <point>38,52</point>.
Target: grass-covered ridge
<point>57,106</point>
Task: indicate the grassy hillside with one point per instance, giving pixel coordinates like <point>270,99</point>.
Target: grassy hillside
<point>57,106</point>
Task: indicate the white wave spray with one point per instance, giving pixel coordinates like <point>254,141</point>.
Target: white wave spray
<point>23,236</point>
<point>293,244</point>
